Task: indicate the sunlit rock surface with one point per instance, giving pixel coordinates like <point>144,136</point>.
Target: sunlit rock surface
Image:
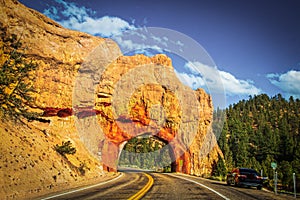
<point>29,165</point>
<point>138,95</point>
<point>98,119</point>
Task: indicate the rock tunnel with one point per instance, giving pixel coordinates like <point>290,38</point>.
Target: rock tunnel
<point>147,152</point>
<point>112,158</point>
<point>150,99</point>
<point>152,108</point>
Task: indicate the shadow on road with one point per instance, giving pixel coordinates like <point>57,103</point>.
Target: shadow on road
<point>128,169</point>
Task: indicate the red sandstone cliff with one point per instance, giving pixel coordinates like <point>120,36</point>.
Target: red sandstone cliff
<point>29,165</point>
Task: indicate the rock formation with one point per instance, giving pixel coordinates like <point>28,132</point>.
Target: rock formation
<point>94,118</point>
<point>29,165</point>
<point>138,95</point>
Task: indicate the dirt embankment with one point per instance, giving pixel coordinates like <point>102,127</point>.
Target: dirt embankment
<point>30,166</point>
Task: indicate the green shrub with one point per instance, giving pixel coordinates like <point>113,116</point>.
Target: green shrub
<point>65,148</point>
<point>82,168</point>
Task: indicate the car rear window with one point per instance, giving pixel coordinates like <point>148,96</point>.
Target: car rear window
<point>248,171</point>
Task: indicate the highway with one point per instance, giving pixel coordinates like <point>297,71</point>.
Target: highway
<point>149,185</point>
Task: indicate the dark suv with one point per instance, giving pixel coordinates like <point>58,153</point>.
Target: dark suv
<point>245,177</point>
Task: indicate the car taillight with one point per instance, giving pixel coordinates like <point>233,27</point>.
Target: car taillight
<point>242,176</point>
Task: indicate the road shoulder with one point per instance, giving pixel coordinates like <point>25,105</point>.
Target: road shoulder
<point>89,183</point>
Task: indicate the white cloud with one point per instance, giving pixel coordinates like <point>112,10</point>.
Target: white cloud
<point>234,86</point>
<point>191,80</point>
<point>105,26</point>
<point>128,44</point>
<point>145,40</point>
<point>52,13</point>
<point>179,43</point>
<point>216,81</point>
<point>137,39</point>
<point>288,82</point>
<point>159,40</point>
<point>82,19</point>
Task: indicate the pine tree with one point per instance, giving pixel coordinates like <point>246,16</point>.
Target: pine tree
<point>286,173</point>
<point>16,81</point>
<point>220,169</point>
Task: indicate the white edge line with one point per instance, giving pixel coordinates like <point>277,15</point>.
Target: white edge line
<point>84,188</point>
<point>218,193</point>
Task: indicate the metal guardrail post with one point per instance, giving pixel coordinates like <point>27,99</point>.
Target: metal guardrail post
<point>275,182</point>
<point>294,181</point>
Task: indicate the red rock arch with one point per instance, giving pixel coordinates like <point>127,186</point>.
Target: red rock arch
<point>125,127</point>
<point>113,160</point>
<point>195,149</point>
<point>111,153</point>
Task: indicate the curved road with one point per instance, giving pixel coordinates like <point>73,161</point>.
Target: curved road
<point>122,187</point>
<point>166,186</point>
<point>169,187</point>
<point>231,192</point>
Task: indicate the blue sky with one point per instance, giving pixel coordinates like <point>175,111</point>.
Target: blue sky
<point>255,45</point>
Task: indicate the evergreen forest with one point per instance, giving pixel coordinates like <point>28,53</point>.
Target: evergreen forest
<point>259,131</point>
<point>146,152</point>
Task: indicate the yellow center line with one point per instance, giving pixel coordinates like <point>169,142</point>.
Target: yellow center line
<point>144,190</point>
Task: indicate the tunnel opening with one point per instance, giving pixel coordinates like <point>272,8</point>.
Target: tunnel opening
<point>147,152</point>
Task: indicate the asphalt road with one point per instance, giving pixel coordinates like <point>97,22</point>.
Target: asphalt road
<point>232,192</point>
<point>166,186</point>
<point>121,188</point>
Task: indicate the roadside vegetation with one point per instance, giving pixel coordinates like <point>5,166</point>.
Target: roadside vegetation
<point>259,131</point>
<point>16,80</point>
<point>65,148</point>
